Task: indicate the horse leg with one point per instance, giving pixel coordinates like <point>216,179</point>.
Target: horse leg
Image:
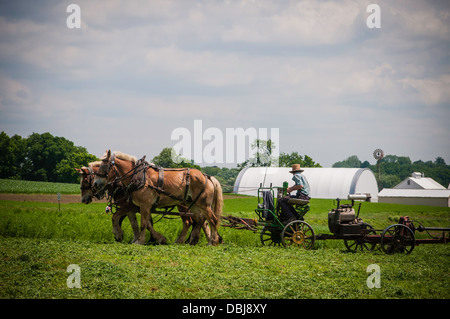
<point>146,224</point>
<point>195,233</point>
<point>117,219</point>
<point>186,224</point>
<point>186,221</point>
<point>213,224</point>
<point>145,215</point>
<point>150,220</point>
<point>134,224</point>
<point>157,236</point>
<point>206,230</point>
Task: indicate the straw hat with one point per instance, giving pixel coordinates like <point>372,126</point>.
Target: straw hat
<point>296,168</point>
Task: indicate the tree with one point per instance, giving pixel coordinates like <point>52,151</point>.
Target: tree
<point>287,160</point>
<point>226,176</point>
<point>42,157</point>
<point>166,159</point>
<point>263,154</point>
<point>351,162</point>
<point>389,181</point>
<point>43,153</point>
<point>439,161</point>
<point>263,157</point>
<point>65,169</point>
<point>11,153</point>
<point>395,168</point>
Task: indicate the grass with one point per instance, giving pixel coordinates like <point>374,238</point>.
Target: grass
<point>38,243</point>
<point>31,187</point>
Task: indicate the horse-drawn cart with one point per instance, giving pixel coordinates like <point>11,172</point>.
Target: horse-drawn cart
<point>344,223</point>
<point>274,230</point>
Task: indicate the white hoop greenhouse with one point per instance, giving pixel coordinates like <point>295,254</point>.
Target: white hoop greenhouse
<point>324,182</point>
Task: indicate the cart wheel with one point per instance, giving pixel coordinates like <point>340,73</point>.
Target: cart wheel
<point>299,234</point>
<point>361,244</point>
<point>398,238</point>
<point>270,236</point>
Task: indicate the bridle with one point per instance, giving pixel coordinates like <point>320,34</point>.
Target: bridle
<point>106,162</point>
<point>89,180</point>
<point>108,165</point>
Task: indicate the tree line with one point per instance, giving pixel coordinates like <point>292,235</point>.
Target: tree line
<point>44,157</point>
<point>394,169</point>
<point>41,157</point>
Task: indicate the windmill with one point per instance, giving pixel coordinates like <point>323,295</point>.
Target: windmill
<point>378,154</point>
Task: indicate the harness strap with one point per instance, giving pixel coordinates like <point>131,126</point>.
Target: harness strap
<point>188,181</point>
<point>162,191</point>
<point>160,178</point>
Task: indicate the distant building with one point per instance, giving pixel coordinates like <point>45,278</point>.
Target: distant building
<point>324,182</point>
<point>416,190</point>
<point>419,181</point>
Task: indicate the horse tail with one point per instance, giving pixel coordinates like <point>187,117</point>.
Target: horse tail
<point>217,204</point>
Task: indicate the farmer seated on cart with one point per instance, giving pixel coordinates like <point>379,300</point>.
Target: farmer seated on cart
<point>302,188</point>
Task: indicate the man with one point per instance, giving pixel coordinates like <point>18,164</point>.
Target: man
<point>303,192</point>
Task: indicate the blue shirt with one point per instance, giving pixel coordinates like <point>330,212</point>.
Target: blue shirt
<point>299,179</point>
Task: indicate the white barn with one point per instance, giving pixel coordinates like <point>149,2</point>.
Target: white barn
<point>419,181</point>
<point>417,190</point>
<point>324,182</point>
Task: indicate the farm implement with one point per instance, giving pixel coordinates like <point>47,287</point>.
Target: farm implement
<point>344,224</point>
<point>274,229</point>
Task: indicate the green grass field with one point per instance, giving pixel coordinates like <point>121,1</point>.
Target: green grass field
<point>38,243</point>
<point>31,187</point>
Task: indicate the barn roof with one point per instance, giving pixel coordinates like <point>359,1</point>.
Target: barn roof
<point>419,183</point>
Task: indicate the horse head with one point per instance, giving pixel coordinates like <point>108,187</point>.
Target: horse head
<point>113,165</point>
<point>101,177</point>
<point>87,180</point>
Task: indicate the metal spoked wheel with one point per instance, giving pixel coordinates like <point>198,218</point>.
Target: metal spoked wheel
<point>270,236</point>
<point>361,243</point>
<point>298,234</point>
<point>398,238</point>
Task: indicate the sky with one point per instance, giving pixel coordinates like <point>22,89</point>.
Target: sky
<point>136,71</point>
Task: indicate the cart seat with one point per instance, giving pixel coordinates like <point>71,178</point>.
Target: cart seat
<point>298,201</point>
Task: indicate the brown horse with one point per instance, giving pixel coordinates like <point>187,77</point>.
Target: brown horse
<point>202,194</point>
<point>127,209</point>
<point>124,208</point>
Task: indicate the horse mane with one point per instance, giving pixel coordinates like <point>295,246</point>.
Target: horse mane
<point>95,164</point>
<point>122,156</point>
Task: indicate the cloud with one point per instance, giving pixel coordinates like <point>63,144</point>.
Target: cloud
<point>203,67</point>
<point>432,91</point>
<point>421,20</point>
<point>307,23</point>
<point>13,93</point>
<point>139,69</point>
